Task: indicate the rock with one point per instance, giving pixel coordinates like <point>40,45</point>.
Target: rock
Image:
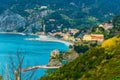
<point>13,22</point>
<point>54,54</point>
<point>35,21</point>
<point>10,21</point>
<point>54,62</point>
<point>70,57</point>
<point>54,59</point>
<point>34,27</point>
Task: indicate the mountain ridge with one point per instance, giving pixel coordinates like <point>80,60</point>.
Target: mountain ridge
<point>83,13</point>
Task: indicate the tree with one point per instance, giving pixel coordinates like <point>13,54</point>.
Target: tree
<point>116,22</point>
<point>15,68</point>
<point>81,48</point>
<point>0,77</point>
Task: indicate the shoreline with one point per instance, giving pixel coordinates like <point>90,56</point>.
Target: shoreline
<point>12,33</point>
<point>47,38</point>
<point>51,39</point>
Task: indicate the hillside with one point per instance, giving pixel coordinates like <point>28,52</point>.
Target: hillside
<point>55,13</point>
<point>98,63</point>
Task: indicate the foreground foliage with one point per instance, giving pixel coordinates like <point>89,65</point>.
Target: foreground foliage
<point>0,77</point>
<point>98,63</point>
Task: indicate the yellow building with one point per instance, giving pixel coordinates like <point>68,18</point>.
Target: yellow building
<point>77,39</point>
<point>68,38</point>
<point>65,37</point>
<point>87,38</point>
<point>94,37</point>
<point>71,38</point>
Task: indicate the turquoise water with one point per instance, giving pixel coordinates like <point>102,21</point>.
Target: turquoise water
<point>35,52</point>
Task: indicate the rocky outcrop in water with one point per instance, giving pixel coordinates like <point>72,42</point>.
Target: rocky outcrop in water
<point>54,54</point>
<point>54,59</point>
<point>57,58</point>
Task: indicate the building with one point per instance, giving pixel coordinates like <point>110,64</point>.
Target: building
<point>73,31</point>
<point>94,37</point>
<point>106,25</point>
<point>40,33</point>
<point>87,38</point>
<point>77,39</point>
<point>71,38</point>
<point>97,37</point>
<point>43,7</point>
<point>52,20</point>
<point>66,37</point>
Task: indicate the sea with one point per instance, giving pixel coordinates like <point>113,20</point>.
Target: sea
<point>34,52</point>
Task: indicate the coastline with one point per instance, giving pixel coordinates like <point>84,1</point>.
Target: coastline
<point>12,33</point>
<point>46,38</point>
<point>49,39</point>
<point>20,33</point>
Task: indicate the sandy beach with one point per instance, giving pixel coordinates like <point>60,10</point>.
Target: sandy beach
<point>50,39</point>
<point>41,38</point>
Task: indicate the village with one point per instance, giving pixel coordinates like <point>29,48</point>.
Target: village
<point>69,35</point>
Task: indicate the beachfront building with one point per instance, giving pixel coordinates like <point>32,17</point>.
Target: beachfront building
<point>65,37</point>
<point>40,33</point>
<point>71,38</point>
<point>94,37</point>
<point>68,38</point>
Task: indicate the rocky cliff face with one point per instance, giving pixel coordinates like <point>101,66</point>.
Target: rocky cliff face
<point>10,21</point>
<point>54,62</point>
<point>35,20</point>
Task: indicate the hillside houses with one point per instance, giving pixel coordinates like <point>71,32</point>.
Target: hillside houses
<point>73,31</point>
<point>106,25</point>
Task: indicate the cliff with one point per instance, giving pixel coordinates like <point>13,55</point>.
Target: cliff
<point>10,21</point>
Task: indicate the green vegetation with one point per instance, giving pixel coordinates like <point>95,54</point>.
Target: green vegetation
<point>67,13</point>
<point>81,48</point>
<point>108,33</point>
<point>116,23</point>
<point>0,77</point>
<point>100,30</point>
<point>116,27</point>
<point>98,63</point>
